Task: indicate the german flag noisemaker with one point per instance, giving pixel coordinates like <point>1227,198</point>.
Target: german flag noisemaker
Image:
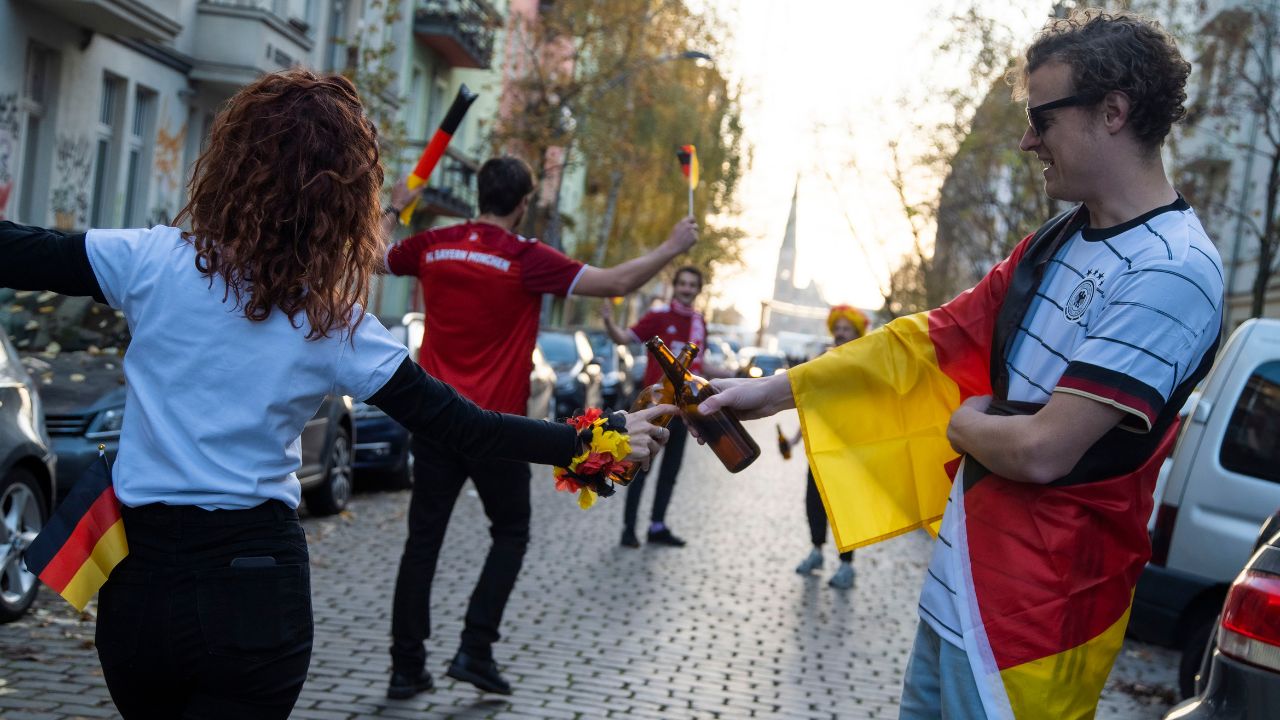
<point>435,149</point>
<point>84,539</point>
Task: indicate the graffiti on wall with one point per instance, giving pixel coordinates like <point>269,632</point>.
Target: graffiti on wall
<point>72,170</point>
<point>167,169</point>
<point>8,148</point>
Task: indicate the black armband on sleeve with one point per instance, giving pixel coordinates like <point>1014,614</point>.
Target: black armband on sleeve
<point>33,258</point>
<point>430,408</point>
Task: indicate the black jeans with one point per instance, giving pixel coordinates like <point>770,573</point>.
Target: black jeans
<point>438,476</point>
<point>187,631</point>
<point>818,517</point>
<point>672,456</point>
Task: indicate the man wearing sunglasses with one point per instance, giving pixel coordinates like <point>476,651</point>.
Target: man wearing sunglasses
<point>1072,358</point>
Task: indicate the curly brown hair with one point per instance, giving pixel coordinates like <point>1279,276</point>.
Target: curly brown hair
<point>284,202</point>
<point>1120,52</point>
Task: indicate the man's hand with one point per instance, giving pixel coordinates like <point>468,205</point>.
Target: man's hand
<point>683,235</point>
<point>401,195</point>
<point>647,438</point>
<point>751,398</point>
<point>977,404</point>
<point>606,311</point>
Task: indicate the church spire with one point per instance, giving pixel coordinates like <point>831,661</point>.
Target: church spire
<point>784,281</point>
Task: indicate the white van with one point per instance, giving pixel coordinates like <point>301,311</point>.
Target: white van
<point>1222,483</point>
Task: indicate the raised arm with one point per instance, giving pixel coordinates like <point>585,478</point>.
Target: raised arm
<point>627,277</point>
<point>620,335</point>
<point>34,258</point>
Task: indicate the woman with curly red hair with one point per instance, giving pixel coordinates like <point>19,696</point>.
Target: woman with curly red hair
<point>240,327</point>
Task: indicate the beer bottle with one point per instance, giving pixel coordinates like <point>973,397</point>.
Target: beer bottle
<point>659,393</point>
<point>721,429</point>
<point>784,445</point>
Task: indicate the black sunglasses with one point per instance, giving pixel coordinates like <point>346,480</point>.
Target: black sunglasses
<point>1036,115</point>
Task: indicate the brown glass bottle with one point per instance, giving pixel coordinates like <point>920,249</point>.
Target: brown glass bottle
<point>784,445</point>
<point>659,393</point>
<point>721,430</point>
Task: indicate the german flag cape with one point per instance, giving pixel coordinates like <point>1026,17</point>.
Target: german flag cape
<point>1047,572</point>
<point>84,539</point>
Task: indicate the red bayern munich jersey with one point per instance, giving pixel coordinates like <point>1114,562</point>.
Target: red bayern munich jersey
<point>482,290</point>
<point>676,324</point>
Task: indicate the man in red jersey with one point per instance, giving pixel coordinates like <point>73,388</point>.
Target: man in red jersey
<point>677,323</point>
<point>482,287</point>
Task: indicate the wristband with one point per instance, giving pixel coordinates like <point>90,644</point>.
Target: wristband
<point>600,462</point>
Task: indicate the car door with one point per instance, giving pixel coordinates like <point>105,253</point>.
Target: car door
<point>314,436</point>
<point>1234,477</point>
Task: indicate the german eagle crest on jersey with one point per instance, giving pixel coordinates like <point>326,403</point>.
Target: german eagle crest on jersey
<point>1082,295</point>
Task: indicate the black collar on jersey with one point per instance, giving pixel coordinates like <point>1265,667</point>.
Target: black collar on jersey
<point>1099,234</point>
<point>1022,288</point>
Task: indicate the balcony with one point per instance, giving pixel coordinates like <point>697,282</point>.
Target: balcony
<point>451,190</point>
<point>238,40</point>
<point>127,18</point>
<point>460,31</point>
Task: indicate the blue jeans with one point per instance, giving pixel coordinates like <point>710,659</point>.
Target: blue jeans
<point>939,681</point>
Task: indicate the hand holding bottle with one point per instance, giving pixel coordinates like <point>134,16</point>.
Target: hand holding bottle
<point>647,437</point>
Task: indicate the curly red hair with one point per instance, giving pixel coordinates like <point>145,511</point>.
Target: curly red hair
<point>284,202</point>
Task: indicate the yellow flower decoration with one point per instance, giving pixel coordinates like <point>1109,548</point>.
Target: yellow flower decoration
<point>586,498</point>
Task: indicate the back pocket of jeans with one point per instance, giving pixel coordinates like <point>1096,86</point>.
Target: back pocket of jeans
<point>255,613</point>
<point>122,615</point>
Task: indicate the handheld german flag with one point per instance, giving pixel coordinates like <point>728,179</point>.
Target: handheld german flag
<point>435,149</point>
<point>84,539</point>
<point>688,156</point>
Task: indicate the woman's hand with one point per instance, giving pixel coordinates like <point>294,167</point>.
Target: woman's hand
<point>647,438</point>
<point>976,405</point>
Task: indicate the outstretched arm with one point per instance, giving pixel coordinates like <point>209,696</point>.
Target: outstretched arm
<point>34,258</point>
<point>620,335</point>
<point>629,276</point>
<point>431,408</point>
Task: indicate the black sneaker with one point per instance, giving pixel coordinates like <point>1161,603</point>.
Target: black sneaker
<point>481,673</point>
<point>665,537</point>
<point>629,539</point>
<point>405,686</point>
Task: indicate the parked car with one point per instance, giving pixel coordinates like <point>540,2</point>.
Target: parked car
<point>75,348</point>
<point>616,384</point>
<point>764,364</point>
<point>578,375</point>
<point>1223,479</point>
<point>26,480</point>
<point>1239,675</point>
<point>542,388</point>
<point>719,359</point>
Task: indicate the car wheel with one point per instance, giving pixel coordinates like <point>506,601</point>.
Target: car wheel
<point>22,515</point>
<point>1193,651</point>
<point>334,491</point>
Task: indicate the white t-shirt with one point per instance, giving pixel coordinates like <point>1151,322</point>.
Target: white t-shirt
<point>216,403</point>
<point>1123,316</point>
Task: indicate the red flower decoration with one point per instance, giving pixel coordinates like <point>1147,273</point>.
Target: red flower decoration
<point>586,419</point>
<point>564,483</point>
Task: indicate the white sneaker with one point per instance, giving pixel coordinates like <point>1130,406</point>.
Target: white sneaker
<point>843,579</point>
<point>811,562</point>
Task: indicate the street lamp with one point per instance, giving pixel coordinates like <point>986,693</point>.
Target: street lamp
<point>553,227</point>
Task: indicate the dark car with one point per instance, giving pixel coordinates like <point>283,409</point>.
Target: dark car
<point>764,364</point>
<point>75,348</point>
<point>616,383</point>
<point>26,481</point>
<point>1240,674</point>
<point>578,374</point>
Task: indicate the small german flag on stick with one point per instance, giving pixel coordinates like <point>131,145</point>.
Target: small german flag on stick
<point>688,156</point>
<point>435,149</point>
<point>84,539</point>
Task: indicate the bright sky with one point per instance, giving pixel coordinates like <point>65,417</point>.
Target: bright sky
<point>822,83</point>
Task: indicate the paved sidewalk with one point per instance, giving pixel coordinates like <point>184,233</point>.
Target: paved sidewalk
<point>721,628</point>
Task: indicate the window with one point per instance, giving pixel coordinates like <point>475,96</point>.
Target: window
<point>141,137</point>
<point>1250,445</point>
<point>36,132</point>
<point>109,111</point>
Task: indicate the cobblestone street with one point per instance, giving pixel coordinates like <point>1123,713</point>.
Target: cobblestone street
<point>721,628</point>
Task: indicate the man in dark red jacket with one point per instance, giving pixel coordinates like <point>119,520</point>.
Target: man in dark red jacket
<point>482,288</point>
